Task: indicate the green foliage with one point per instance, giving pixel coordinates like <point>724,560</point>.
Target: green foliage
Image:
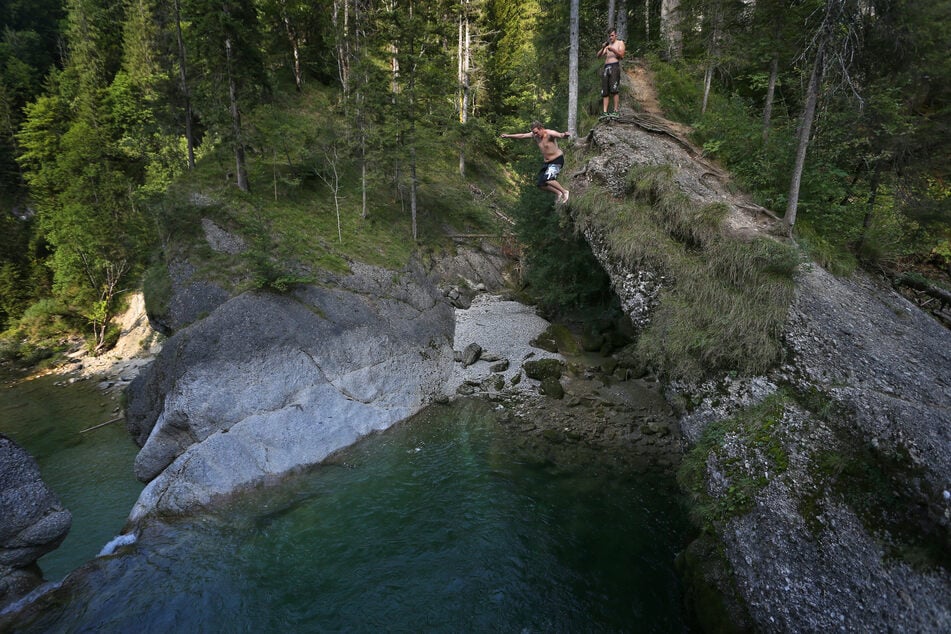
<point>46,319</point>
<point>156,289</point>
<point>725,299</point>
<point>835,260</point>
<point>558,267</point>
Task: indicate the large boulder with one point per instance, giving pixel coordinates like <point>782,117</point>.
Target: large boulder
<point>269,383</point>
<point>835,511</point>
<point>32,521</point>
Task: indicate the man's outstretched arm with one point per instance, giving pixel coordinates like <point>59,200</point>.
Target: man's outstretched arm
<point>518,135</point>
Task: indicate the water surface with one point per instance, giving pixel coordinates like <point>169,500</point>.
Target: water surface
<point>90,472</point>
<point>448,522</point>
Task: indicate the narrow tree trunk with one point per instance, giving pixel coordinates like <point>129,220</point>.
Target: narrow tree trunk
<point>463,69</point>
<point>620,20</point>
<point>802,141</point>
<point>612,9</point>
<point>183,77</point>
<point>870,206</point>
<point>413,183</point>
<point>341,44</point>
<point>295,46</point>
<point>241,171</point>
<point>707,81</point>
<point>670,28</point>
<point>573,72</point>
<point>770,94</point>
<point>647,21</point>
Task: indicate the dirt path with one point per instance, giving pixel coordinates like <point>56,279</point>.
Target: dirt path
<point>644,94</point>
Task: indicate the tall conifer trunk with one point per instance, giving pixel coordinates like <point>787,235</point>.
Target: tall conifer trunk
<point>183,78</point>
<point>573,72</point>
<point>241,171</point>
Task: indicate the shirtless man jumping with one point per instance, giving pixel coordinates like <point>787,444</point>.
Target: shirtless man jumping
<point>553,157</point>
<point>613,52</point>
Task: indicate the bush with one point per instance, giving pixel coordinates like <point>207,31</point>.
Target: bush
<point>46,319</point>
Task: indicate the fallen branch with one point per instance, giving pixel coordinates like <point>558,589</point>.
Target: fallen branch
<point>108,422</point>
<point>923,286</point>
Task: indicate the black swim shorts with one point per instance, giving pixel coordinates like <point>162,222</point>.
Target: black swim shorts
<point>550,170</point>
<point>611,79</point>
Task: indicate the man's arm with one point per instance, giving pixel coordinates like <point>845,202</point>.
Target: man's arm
<point>604,49</point>
<point>519,135</point>
<point>559,135</point>
<point>619,49</point>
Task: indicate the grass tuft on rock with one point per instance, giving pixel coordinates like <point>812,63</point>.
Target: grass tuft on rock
<point>725,297</point>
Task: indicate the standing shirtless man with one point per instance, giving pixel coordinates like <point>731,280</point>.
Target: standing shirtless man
<point>612,52</point>
<point>553,157</point>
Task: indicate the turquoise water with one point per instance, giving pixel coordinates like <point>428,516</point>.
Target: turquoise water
<point>449,522</point>
<point>90,472</point>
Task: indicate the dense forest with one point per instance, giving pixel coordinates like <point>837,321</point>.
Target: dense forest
<point>834,114</point>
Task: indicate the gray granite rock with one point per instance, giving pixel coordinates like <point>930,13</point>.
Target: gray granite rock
<point>33,522</point>
<point>267,384</point>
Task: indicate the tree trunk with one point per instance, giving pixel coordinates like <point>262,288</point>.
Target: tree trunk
<point>295,46</point>
<point>647,21</point>
<point>612,8</point>
<point>770,94</point>
<point>802,140</point>
<point>182,75</point>
<point>620,20</point>
<point>573,72</point>
<point>870,206</point>
<point>341,43</point>
<point>670,28</point>
<point>465,44</point>
<point>241,171</point>
<point>707,81</point>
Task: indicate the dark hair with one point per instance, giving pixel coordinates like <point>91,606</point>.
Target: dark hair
<point>612,30</point>
<point>535,124</point>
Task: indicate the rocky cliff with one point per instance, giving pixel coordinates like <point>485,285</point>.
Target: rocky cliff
<point>822,484</point>
<point>267,383</point>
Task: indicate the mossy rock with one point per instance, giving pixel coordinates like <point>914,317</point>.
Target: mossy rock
<point>542,369</point>
<point>552,388</point>
<point>564,339</point>
<point>592,341</point>
<point>545,341</point>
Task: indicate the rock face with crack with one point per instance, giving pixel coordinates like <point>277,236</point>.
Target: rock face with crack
<point>267,384</point>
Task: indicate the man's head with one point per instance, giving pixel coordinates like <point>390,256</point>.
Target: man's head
<point>536,128</point>
<point>612,34</point>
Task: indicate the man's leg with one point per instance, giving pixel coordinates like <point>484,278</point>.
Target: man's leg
<point>555,187</point>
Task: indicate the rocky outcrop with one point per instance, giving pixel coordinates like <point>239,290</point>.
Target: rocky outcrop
<point>832,511</point>
<point>32,521</point>
<point>267,384</point>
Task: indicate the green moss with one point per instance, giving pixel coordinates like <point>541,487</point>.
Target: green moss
<point>756,431</point>
<point>542,369</point>
<point>880,487</point>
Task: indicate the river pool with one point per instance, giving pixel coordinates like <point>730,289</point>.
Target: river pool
<point>446,522</point>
